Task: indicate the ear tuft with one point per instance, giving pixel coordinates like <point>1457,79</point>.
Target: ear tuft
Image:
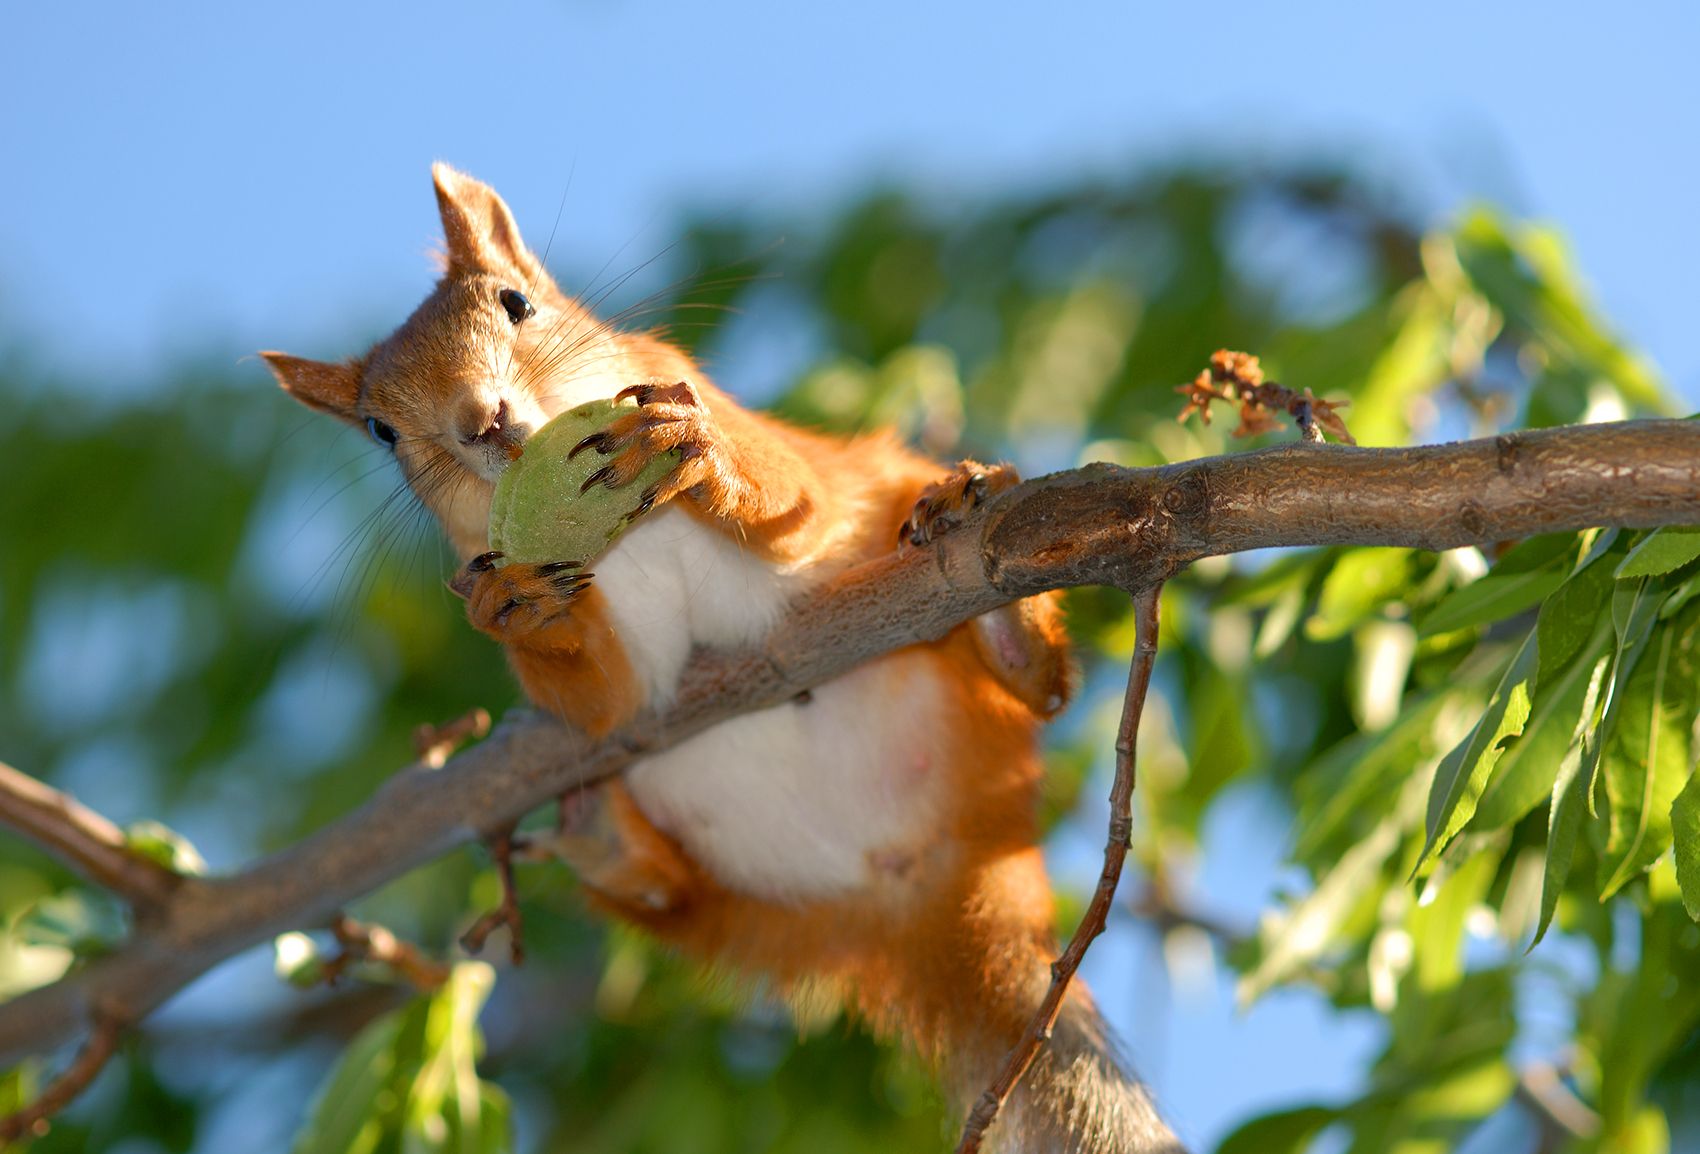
<point>479,233</point>
<point>330,387</point>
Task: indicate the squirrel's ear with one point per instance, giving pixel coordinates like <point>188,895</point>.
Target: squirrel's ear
<point>479,232</point>
<point>332,388</point>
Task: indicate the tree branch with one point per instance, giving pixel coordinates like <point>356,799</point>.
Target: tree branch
<point>83,840</point>
<point>1100,525</point>
<point>1038,1031</point>
<point>31,1121</point>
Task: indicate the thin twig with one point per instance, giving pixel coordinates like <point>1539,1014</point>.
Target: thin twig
<point>32,1121</point>
<point>1238,378</point>
<point>82,839</point>
<point>435,744</point>
<point>1157,906</point>
<point>365,942</point>
<point>506,912</point>
<point>1560,1114</point>
<point>1092,922</point>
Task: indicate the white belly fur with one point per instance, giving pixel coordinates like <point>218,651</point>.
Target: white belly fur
<point>793,802</point>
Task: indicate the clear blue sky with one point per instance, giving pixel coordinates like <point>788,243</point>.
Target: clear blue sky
<point>221,177</point>
<point>217,178</point>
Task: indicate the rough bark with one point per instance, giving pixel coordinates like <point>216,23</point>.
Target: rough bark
<point>1099,525</point>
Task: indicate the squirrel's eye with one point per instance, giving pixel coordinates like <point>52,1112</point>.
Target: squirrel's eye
<point>381,432</point>
<point>518,307</point>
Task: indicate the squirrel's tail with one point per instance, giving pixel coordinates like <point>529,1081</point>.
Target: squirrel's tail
<point>1080,1095</point>
<point>1077,1097</point>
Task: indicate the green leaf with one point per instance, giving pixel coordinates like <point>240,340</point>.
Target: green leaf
<point>1288,1132</point>
<point>1340,788</point>
<point>1685,831</point>
<point>88,924</point>
<point>1571,614</point>
<point>18,1087</point>
<point>1634,612</point>
<point>411,1078</point>
<point>1661,551</point>
<point>1524,576</point>
<point>1530,764</point>
<point>1641,1016</point>
<point>1464,773</point>
<point>1679,597</point>
<point>1308,928</point>
<point>348,1117</point>
<point>1646,760</point>
<point>1412,362</point>
<point>1564,819</point>
<point>1493,598</point>
<point>1524,271</point>
<point>1359,584</point>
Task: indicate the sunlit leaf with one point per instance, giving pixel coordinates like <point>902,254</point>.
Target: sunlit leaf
<point>1571,614</point>
<point>1359,584</point>
<point>1524,271</point>
<point>1530,763</point>
<point>1564,818</point>
<point>1661,551</point>
<point>1646,760</point>
<point>1522,578</point>
<point>1685,833</point>
<point>1463,774</point>
<point>1287,1132</point>
<point>1307,930</point>
<point>1350,777</point>
<point>1643,1013</point>
<point>349,1114</point>
<point>411,1078</point>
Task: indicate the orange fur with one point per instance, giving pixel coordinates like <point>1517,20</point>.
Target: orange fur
<point>947,940</point>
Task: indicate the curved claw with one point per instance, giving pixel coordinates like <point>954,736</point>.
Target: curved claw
<point>571,586</point>
<point>597,441</point>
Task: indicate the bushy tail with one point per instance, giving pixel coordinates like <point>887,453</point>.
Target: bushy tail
<point>1079,1098</point>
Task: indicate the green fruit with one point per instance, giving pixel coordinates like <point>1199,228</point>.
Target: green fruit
<point>538,513</point>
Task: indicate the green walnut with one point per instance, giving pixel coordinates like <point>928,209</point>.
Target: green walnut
<point>539,514</point>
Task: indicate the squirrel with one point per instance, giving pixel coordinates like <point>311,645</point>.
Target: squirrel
<point>875,839</point>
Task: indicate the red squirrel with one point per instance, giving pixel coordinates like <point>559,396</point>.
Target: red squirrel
<point>875,840</point>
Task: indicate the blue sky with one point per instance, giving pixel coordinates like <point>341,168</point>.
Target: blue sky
<point>223,177</point>
<point>217,178</point>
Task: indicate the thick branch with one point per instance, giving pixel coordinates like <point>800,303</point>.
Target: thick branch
<point>1100,525</point>
<point>82,839</point>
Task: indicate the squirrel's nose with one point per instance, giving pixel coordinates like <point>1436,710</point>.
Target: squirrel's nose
<point>483,425</point>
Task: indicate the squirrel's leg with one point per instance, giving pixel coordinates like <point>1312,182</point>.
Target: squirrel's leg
<point>1025,643</point>
<point>554,625</point>
<point>734,466</point>
<point>627,866</point>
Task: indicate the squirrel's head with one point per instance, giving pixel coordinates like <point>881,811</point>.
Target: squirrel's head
<point>494,352</point>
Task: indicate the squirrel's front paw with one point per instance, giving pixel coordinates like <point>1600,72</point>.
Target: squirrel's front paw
<point>944,504</point>
<point>669,418</point>
<point>513,601</point>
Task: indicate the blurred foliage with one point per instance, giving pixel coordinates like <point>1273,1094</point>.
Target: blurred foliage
<point>219,612</point>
